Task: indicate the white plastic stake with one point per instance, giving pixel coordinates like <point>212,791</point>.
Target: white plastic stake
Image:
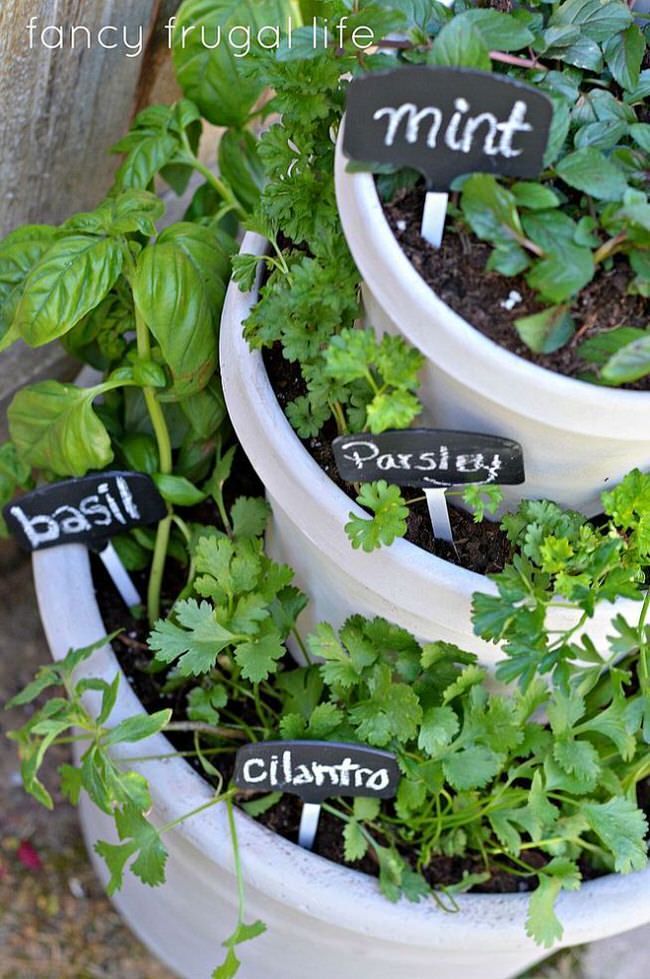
<point>435,209</point>
<point>433,218</point>
<point>308,825</point>
<point>120,576</point>
<point>439,514</point>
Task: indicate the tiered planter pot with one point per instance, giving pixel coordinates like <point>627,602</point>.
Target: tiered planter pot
<point>578,438</point>
<point>323,919</point>
<point>404,584</point>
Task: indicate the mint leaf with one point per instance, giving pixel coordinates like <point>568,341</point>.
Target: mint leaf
<point>592,172</point>
<point>549,330</point>
<point>628,364</point>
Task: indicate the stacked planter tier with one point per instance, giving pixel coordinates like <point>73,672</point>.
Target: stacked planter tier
<point>323,919</point>
<point>404,584</point>
<point>578,438</point>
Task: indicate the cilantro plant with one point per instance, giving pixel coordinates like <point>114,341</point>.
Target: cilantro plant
<point>221,650</point>
<point>539,782</point>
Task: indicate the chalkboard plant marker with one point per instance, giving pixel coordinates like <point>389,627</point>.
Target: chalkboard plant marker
<point>89,510</point>
<point>430,459</point>
<point>315,771</point>
<point>446,122</point>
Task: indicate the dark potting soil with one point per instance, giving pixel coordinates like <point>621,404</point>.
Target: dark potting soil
<point>457,273</point>
<point>130,647</point>
<point>481,547</point>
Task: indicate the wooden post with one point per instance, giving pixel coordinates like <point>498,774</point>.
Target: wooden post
<point>62,110</point>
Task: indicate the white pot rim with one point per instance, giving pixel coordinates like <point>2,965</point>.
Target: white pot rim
<point>331,505</point>
<point>286,873</point>
<point>523,387</point>
<point>325,507</point>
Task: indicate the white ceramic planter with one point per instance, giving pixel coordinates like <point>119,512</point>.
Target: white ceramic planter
<point>578,438</point>
<point>323,920</point>
<point>404,584</point>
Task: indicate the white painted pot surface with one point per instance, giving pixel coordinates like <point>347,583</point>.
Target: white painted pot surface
<point>402,583</point>
<point>324,920</point>
<point>578,438</point>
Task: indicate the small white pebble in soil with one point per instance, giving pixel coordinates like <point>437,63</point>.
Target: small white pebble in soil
<point>401,225</point>
<point>513,300</point>
<point>15,779</point>
<point>76,888</point>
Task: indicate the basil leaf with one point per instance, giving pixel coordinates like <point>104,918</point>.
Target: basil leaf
<point>205,249</point>
<point>214,79</point>
<point>146,159</point>
<point>241,167</point>
<point>54,427</point>
<point>73,277</point>
<point>19,253</point>
<point>174,300</point>
<point>177,490</point>
<point>205,410</point>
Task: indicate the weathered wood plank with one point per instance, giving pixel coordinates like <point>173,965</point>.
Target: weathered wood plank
<point>63,109</point>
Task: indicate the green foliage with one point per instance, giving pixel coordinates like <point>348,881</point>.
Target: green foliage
<point>480,772</point>
<point>141,308</point>
<point>551,768</point>
<point>309,301</point>
<point>389,516</point>
<point>249,606</point>
<point>577,218</point>
<point>562,558</point>
<point>215,79</point>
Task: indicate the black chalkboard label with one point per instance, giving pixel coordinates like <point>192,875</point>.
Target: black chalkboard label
<point>317,770</point>
<point>428,458</point>
<point>446,122</point>
<point>84,511</point>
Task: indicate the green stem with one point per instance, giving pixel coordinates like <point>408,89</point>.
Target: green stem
<point>226,797</point>
<point>237,859</point>
<point>222,189</point>
<point>165,466</point>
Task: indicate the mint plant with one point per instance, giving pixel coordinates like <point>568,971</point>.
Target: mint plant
<point>588,212</point>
